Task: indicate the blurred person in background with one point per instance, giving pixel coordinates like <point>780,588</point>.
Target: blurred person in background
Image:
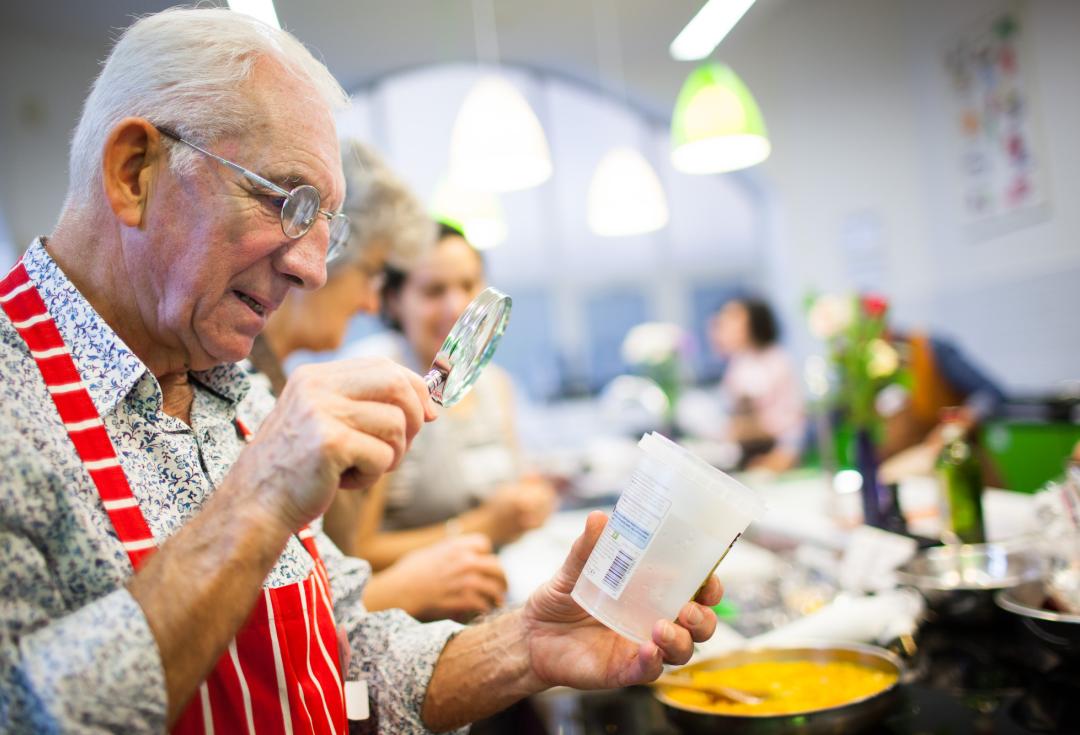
<point>463,474</point>
<point>454,578</point>
<point>941,377</point>
<point>760,385</point>
<point>388,225</point>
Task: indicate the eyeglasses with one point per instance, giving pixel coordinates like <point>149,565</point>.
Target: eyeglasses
<point>299,207</point>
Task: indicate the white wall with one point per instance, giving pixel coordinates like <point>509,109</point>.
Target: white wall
<point>854,96</point>
<point>1013,296</point>
<point>43,82</point>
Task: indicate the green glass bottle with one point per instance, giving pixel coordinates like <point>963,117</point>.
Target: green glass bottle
<point>961,487</point>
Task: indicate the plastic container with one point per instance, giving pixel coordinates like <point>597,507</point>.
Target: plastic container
<point>668,532</point>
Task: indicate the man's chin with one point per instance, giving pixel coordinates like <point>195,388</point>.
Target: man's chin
<point>235,349</point>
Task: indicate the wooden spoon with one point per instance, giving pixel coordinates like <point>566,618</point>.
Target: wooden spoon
<point>719,690</point>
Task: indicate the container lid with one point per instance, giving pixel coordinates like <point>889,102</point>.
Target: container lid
<point>700,472</point>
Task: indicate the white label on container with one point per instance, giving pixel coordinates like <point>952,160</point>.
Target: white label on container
<point>641,509</point>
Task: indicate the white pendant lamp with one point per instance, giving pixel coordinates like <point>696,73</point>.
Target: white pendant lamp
<point>625,196</point>
<point>478,214</point>
<point>497,143</point>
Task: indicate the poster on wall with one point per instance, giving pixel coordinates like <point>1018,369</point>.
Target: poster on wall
<point>1000,162</point>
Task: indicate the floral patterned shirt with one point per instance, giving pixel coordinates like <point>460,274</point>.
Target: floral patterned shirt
<point>76,652</point>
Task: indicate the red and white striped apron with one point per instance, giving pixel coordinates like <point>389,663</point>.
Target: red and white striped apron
<point>281,673</point>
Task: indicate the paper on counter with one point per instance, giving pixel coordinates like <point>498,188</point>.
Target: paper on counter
<point>869,619</point>
<point>872,557</point>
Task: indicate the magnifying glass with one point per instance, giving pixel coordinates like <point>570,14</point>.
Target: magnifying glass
<point>469,347</point>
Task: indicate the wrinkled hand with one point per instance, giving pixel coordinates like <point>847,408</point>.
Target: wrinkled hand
<point>456,578</point>
<point>569,647</point>
<point>336,424</point>
<point>519,507</point>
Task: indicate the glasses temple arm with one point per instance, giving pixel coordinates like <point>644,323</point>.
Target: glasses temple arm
<point>250,175</point>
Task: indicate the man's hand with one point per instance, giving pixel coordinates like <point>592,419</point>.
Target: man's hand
<point>337,424</point>
<point>456,578</point>
<point>568,647</point>
<point>553,641</point>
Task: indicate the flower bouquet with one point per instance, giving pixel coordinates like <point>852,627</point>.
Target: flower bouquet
<point>656,349</point>
<point>863,364</point>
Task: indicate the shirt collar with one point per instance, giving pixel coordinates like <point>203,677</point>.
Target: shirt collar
<point>107,366</point>
<point>230,381</point>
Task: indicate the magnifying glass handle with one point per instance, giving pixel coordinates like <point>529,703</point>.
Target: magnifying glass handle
<point>435,381</point>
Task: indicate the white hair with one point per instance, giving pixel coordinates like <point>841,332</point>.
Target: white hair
<point>185,68</point>
<point>382,208</point>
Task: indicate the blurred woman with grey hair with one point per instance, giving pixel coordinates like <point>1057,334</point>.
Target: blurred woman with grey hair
<point>389,226</point>
<point>455,578</point>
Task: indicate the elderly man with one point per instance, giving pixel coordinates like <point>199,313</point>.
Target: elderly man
<point>161,564</point>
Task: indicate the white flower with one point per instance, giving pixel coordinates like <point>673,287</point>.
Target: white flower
<point>884,361</point>
<point>830,315</point>
<point>651,343</point>
<point>891,400</point>
<point>816,375</point>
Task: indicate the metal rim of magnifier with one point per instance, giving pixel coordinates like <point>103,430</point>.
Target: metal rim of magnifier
<point>438,377</point>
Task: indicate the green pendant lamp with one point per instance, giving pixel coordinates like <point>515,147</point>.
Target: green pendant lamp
<point>717,125</point>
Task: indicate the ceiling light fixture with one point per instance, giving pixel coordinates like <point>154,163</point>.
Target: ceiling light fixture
<point>260,9</point>
<point>707,29</point>
<point>497,143</point>
<point>717,125</point>
<point>625,196</point>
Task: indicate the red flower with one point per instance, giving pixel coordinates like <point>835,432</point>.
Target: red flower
<point>874,306</point>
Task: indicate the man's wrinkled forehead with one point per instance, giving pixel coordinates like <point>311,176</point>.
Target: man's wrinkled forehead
<point>292,133</point>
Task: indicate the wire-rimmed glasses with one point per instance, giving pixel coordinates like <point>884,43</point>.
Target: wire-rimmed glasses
<point>299,207</point>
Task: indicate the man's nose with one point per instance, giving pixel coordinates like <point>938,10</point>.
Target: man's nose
<point>303,260</point>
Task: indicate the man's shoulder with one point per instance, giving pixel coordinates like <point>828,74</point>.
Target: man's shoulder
<point>22,394</point>
<point>10,341</point>
<point>20,378</point>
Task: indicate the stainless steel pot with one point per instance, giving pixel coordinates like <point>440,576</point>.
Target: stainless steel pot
<point>1058,631</point>
<point>959,582</point>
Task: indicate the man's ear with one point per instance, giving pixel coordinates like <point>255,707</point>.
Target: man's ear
<point>127,165</point>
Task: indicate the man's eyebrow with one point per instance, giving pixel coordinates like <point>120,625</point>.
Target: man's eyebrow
<point>289,179</point>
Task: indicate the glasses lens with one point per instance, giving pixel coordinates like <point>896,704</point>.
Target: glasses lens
<point>339,236</point>
<point>300,210</point>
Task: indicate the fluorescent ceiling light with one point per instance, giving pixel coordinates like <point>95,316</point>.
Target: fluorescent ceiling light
<point>707,29</point>
<point>261,9</point>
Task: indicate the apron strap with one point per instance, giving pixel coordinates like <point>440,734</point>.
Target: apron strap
<point>30,317</point>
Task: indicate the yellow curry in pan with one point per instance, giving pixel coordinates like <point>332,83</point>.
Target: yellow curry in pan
<point>790,686</point>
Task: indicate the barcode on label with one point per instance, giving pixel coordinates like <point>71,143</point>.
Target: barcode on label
<point>620,565</point>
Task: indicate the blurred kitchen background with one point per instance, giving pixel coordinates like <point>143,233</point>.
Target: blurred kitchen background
<point>873,184</point>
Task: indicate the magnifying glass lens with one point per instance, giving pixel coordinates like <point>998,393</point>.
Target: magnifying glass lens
<point>468,347</point>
